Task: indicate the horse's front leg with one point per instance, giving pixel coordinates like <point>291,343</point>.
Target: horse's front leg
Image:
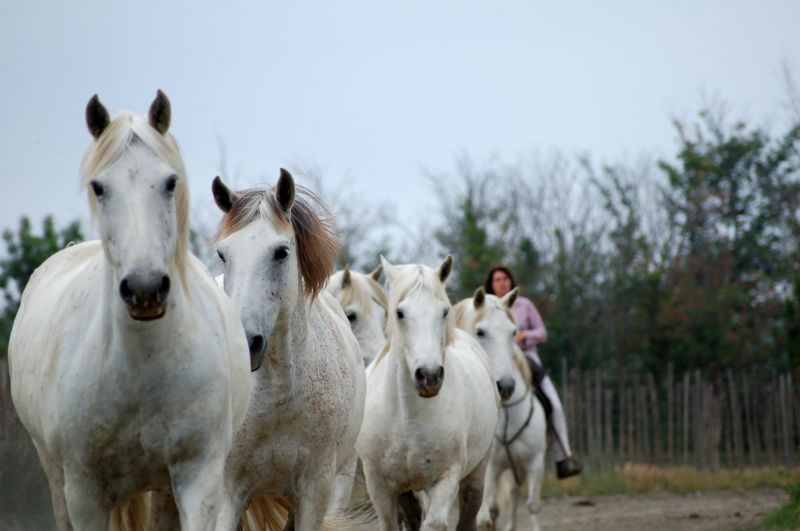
<point>55,478</point>
<point>487,515</point>
<point>383,499</point>
<point>343,486</point>
<point>85,502</point>
<point>470,495</point>
<point>512,505</point>
<point>534,501</point>
<point>314,487</point>
<point>442,494</point>
<point>197,487</point>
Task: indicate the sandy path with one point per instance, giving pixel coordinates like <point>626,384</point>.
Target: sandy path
<point>658,512</point>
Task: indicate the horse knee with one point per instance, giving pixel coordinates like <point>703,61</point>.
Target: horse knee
<point>534,506</point>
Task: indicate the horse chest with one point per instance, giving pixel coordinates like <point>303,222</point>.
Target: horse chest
<point>417,461</point>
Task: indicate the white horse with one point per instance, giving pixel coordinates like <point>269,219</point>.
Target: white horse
<point>309,379</point>
<point>520,439</point>
<point>431,404</point>
<point>129,366</point>
<point>364,303</point>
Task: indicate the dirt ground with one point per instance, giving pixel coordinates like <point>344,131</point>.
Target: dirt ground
<point>657,512</point>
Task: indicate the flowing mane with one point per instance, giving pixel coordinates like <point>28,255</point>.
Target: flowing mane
<point>317,245</point>
<point>123,132</point>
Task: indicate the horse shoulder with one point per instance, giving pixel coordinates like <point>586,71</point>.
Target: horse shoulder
<point>53,314</point>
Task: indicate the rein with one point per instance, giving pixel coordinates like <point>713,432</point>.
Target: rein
<point>505,441</point>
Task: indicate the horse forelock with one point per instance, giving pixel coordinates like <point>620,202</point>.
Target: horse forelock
<point>413,278</point>
<point>311,222</point>
<point>361,292</point>
<point>119,136</point>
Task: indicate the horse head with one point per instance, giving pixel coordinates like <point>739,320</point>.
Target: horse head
<point>138,194</point>
<point>275,250</point>
<point>489,319</point>
<point>419,321</point>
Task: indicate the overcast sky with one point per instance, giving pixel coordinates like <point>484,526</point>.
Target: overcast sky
<point>371,90</point>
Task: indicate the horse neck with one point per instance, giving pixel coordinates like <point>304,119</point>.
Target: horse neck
<point>289,335</point>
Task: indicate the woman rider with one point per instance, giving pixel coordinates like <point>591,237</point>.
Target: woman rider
<point>499,281</point>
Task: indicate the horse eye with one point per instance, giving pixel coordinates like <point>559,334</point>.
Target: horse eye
<point>171,182</point>
<point>400,314</point>
<point>97,188</point>
<point>351,316</point>
<point>221,256</point>
<point>446,311</point>
<point>281,253</point>
<point>480,333</point>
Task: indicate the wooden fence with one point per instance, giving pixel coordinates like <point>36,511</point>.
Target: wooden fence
<point>694,418</point>
<point>708,420</point>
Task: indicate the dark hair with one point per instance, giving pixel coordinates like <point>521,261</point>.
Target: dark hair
<point>487,285</point>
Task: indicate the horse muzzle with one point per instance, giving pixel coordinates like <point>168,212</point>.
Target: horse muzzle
<point>145,295</point>
<point>505,386</point>
<point>428,381</point>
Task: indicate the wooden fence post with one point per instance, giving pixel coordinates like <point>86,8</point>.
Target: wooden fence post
<point>608,403</point>
<point>670,413</point>
<point>686,407</point>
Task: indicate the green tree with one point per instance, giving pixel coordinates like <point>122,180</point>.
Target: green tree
<point>475,225</point>
<point>24,252</point>
<point>732,196</point>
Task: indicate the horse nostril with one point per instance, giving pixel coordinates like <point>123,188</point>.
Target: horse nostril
<point>256,344</point>
<point>164,290</point>
<point>419,376</point>
<point>125,291</point>
<point>440,374</point>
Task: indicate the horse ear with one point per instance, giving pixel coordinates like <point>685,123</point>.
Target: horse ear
<point>284,190</point>
<point>346,279</point>
<point>376,273</point>
<point>511,297</point>
<point>224,197</point>
<point>97,118</point>
<point>445,269</point>
<point>479,297</point>
<point>160,113</point>
<point>388,269</point>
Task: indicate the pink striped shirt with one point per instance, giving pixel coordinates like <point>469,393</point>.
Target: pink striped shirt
<point>530,323</point>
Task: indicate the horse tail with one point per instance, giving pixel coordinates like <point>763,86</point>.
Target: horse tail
<point>132,514</point>
<point>266,513</point>
<point>361,517</point>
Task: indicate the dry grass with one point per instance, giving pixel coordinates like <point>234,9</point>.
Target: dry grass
<point>641,479</point>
